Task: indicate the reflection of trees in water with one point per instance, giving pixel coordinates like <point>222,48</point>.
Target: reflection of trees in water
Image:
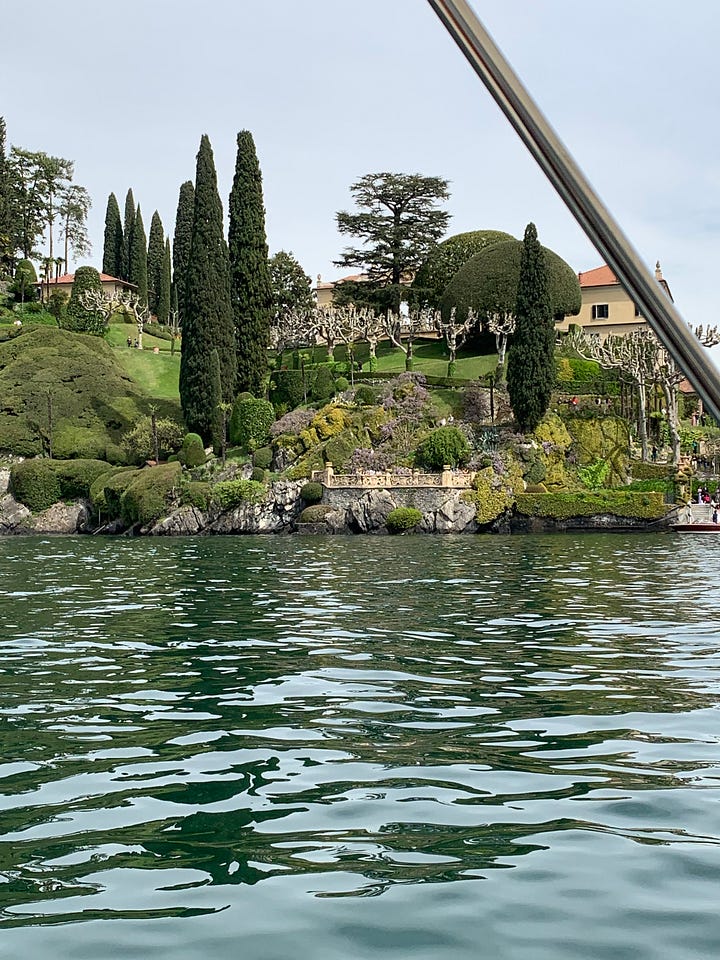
<point>280,706</point>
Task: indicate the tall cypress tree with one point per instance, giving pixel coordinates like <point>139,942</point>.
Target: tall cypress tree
<point>128,225</point>
<point>208,321</point>
<point>138,273</point>
<point>6,228</point>
<point>163,297</point>
<point>181,243</point>
<point>531,355</point>
<point>251,290</point>
<point>155,253</point>
<point>114,242</point>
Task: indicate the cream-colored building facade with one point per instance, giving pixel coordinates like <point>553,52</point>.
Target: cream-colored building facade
<point>110,285</point>
<point>606,307</point>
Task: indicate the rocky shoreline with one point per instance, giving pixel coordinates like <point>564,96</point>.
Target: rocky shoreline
<point>358,512</point>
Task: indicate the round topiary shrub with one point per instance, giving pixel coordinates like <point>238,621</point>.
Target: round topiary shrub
<point>286,388</point>
<point>36,484</point>
<point>446,445</point>
<point>365,396</point>
<point>311,492</point>
<point>342,384</point>
<point>262,458</point>
<point>192,452</point>
<point>323,384</point>
<point>403,519</point>
<point>315,513</point>
<point>250,422</point>
<point>259,474</point>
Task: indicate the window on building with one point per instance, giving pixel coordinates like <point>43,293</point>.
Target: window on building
<point>638,311</point>
<point>600,311</point>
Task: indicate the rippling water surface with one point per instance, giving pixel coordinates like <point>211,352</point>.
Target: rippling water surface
<point>343,748</point>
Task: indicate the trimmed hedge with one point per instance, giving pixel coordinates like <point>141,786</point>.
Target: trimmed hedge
<point>147,496</point>
<point>262,458</point>
<point>311,492</point>
<point>402,519</point>
<point>315,514</point>
<point>446,445</point>
<point>250,421</point>
<point>41,483</point>
<point>192,452</point>
<point>651,471</point>
<point>618,503</point>
<point>195,493</point>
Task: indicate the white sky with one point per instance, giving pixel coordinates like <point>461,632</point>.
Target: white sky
<point>333,89</point>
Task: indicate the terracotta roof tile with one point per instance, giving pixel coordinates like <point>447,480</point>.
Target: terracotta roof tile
<point>599,277</point>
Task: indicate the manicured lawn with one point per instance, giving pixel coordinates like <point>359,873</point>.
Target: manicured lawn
<point>156,373</point>
<point>429,357</point>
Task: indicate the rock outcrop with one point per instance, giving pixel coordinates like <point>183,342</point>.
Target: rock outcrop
<point>61,518</point>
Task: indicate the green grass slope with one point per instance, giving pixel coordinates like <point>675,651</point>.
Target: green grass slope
<point>93,398</point>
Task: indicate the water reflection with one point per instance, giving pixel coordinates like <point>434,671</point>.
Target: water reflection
<point>345,718</point>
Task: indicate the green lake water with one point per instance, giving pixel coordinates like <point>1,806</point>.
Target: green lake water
<point>348,748</point>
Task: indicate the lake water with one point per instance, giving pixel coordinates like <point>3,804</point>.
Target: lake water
<point>351,748</point>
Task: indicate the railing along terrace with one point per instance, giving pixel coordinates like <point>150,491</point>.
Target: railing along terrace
<point>377,480</point>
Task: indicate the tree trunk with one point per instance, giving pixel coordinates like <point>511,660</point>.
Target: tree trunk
<point>642,419</point>
<point>671,403</point>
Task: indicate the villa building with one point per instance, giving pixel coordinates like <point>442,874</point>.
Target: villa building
<point>606,307</point>
<point>110,285</point>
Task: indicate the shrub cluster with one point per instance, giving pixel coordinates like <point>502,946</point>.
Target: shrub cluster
<point>232,493</point>
<point>315,514</point>
<point>41,483</point>
<point>311,492</point>
<point>148,493</point>
<point>192,452</point>
<point>402,519</point>
<point>618,503</point>
<point>262,458</point>
<point>444,445</point>
<point>250,421</point>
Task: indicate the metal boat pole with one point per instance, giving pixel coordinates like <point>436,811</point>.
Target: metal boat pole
<point>596,220</point>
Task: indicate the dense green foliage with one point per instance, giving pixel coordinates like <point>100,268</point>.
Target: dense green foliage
<point>113,241</point>
<point>617,503</point>
<point>397,225</point>
<point>128,230</point>
<point>6,220</point>
<point>148,494</point>
<point>311,492</point>
<point>182,239</point>
<point>286,388</point>
<point>446,445</point>
<point>489,283</point>
<point>229,494</point>
<point>139,442</point>
<point>74,382</point>
<point>195,493</point>
<point>262,458</point>
<point>315,513</point>
<point>531,357</point>
<point>207,362</point>
<point>250,287</point>
<point>24,286</point>
<point>250,421</point>
<point>291,286</point>
<point>77,318</point>
<point>162,307</point>
<point>447,257</point>
<point>41,483</point>
<point>402,519</point>
<point>155,255</point>
<point>192,452</point>
<point>138,267</point>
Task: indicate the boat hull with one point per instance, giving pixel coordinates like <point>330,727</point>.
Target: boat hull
<point>695,527</point>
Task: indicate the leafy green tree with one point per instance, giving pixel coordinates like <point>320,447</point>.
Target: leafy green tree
<point>531,356</point>
<point>155,254</point>
<point>78,317</point>
<point>113,241</point>
<point>181,244</point>
<point>207,362</point>
<point>444,261</point>
<point>128,227</point>
<point>163,299</point>
<point>73,206</point>
<point>397,223</point>
<point>251,292</point>
<point>7,246</point>
<point>24,285</point>
<point>138,272</point>
<point>291,286</point>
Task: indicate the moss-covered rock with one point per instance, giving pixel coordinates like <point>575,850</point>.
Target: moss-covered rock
<point>602,438</point>
<point>494,494</point>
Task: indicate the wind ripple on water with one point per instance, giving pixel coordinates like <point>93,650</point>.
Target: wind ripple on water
<point>198,726</point>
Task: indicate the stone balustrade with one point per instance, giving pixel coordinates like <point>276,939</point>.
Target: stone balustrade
<point>449,478</point>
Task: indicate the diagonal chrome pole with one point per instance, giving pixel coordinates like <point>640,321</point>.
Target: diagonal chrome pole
<point>595,219</point>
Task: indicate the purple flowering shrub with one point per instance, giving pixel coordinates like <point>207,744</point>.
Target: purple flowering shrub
<point>293,422</point>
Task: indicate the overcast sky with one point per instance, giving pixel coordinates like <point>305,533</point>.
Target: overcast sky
<point>333,89</point>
